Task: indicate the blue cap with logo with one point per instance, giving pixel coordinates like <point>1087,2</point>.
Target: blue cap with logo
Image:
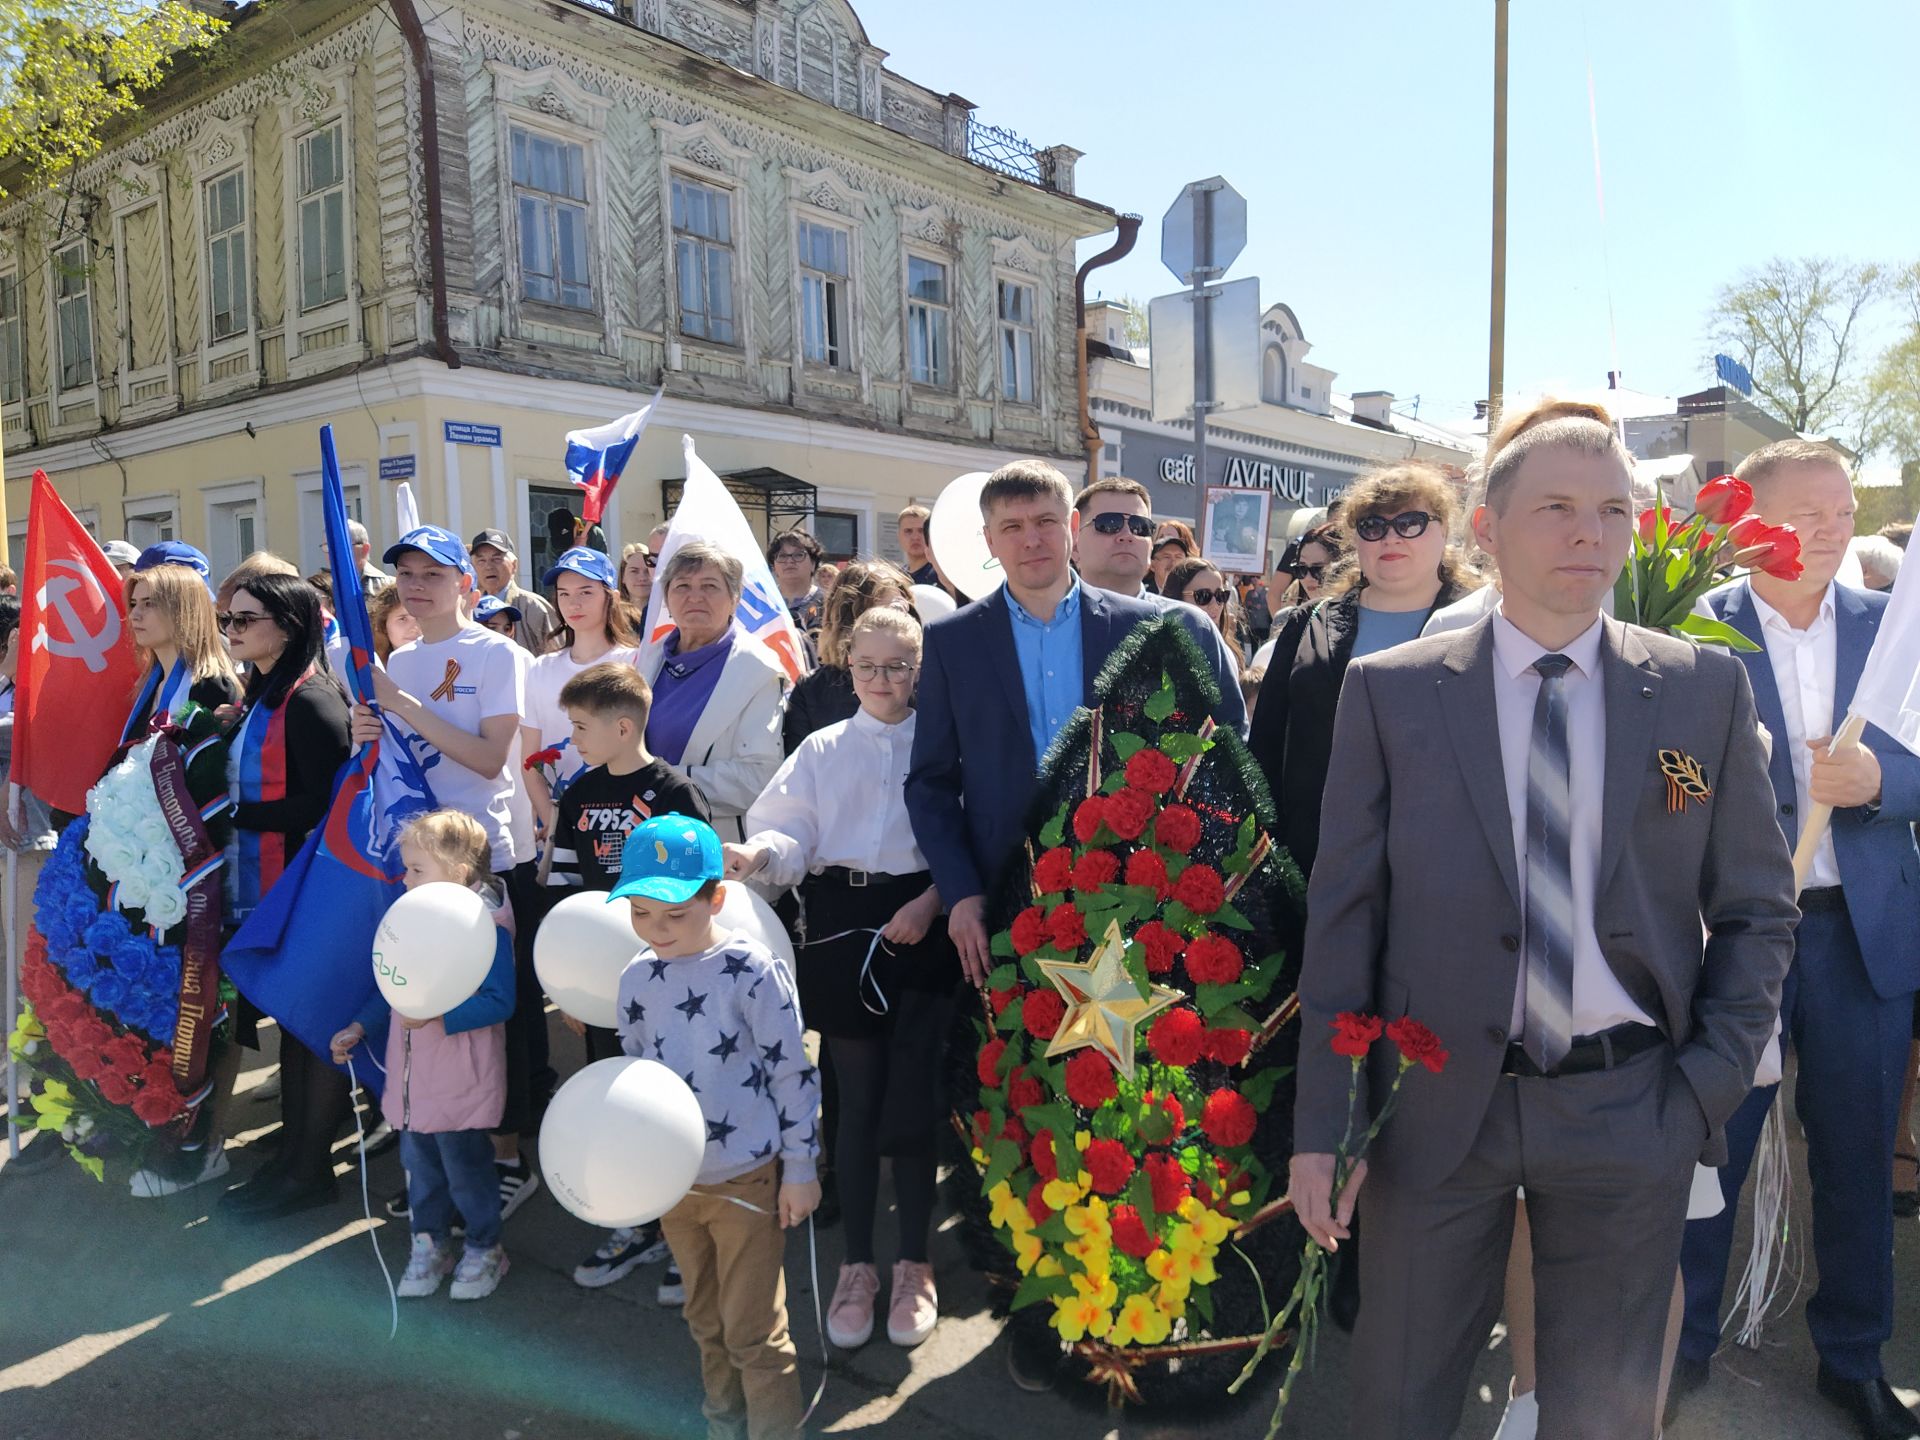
<point>441,546</point>
<point>585,561</point>
<point>174,552</point>
<point>489,606</point>
<point>668,858</point>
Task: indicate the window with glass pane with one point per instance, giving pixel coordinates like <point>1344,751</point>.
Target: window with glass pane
<point>825,285</point>
<point>1016,342</point>
<point>73,314</point>
<point>703,259</point>
<point>550,195</point>
<point>12,387</point>
<point>227,254</point>
<point>838,533</point>
<point>929,323</point>
<point>323,218</point>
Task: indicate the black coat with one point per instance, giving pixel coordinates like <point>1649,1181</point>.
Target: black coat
<point>822,698</point>
<point>1292,731</point>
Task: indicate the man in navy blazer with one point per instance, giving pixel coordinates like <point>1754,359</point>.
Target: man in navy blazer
<point>1848,1002</point>
<point>998,680</point>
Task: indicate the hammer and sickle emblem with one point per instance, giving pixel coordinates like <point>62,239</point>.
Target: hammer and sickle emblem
<point>90,647</point>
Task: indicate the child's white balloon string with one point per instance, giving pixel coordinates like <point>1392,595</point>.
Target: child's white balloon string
<point>819,1319</point>
<point>366,1202</point>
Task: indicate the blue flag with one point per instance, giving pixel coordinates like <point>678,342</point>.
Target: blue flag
<point>304,956</point>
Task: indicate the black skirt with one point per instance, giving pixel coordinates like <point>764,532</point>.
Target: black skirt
<point>850,985</point>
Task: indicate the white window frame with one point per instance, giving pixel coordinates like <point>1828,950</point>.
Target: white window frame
<point>733,248</point>
<point>552,203</point>
<point>1030,328</point>
<point>316,105</point>
<point>860,504</point>
<point>227,235</point>
<point>702,153</point>
<point>949,383</point>
<point>158,510</point>
<point>353,475</point>
<point>216,498</point>
<point>144,187</point>
<point>305,199</point>
<point>17,362</point>
<point>822,197</point>
<point>228,148</point>
<point>59,268</point>
<point>837,289</point>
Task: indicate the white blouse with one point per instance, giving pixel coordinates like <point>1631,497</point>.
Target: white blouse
<point>840,799</point>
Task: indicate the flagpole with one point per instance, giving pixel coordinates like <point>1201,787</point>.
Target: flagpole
<point>13,977</point>
<point>1821,816</point>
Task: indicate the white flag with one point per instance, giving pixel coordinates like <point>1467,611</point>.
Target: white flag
<point>408,508</point>
<point>707,512</point>
<point>1889,691</point>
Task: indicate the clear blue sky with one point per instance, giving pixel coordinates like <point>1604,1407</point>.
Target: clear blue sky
<point>1730,131</point>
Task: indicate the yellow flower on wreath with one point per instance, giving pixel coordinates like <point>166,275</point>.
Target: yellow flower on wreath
<point>1027,1250</point>
<point>1088,1311</point>
<point>1140,1322</point>
<point>1205,1223</point>
<point>1181,1266</point>
<point>1062,1192</point>
<point>1008,1213</point>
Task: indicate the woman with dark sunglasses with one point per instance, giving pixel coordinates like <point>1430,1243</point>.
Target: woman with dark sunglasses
<point>1199,584</point>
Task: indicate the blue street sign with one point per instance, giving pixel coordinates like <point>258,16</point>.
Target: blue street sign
<point>397,467</point>
<point>467,432</point>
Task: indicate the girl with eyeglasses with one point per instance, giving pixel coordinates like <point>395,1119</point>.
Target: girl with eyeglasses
<point>876,969</point>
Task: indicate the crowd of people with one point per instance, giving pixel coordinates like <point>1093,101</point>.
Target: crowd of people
<point>1601,1047</point>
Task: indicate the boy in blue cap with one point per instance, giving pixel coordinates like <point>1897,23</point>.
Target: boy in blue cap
<point>717,1009</point>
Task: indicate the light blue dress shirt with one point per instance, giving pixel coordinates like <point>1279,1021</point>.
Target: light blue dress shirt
<point>1050,665</point>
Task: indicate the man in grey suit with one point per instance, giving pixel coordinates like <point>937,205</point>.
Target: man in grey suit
<point>1504,856</point>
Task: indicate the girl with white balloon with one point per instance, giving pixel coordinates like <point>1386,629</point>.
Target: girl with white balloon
<point>443,960</point>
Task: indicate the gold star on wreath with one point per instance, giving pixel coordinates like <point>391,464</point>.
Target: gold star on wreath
<point>1104,1008</point>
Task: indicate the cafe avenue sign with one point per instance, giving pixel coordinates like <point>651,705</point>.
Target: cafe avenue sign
<point>1289,482</point>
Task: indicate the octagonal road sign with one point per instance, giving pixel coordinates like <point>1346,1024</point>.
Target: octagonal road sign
<point>1204,230</point>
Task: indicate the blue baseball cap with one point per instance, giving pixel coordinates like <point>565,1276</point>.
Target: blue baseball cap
<point>489,606</point>
<point>174,552</point>
<point>584,561</point>
<point>442,546</point>
<point>668,858</point>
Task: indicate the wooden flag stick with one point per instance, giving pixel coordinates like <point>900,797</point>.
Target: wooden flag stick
<point>1820,816</point>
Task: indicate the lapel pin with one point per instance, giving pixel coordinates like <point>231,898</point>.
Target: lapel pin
<point>1646,692</point>
<point>1686,780</point>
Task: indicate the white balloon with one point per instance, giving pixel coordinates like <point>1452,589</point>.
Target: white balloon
<point>958,537</point>
<point>580,950</point>
<point>622,1142</point>
<point>743,909</point>
<point>932,602</point>
<point>433,949</point>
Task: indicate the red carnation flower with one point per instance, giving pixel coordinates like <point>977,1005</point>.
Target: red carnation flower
<point>156,1107</point>
<point>117,1089</point>
<point>1200,889</point>
<point>63,1006</point>
<point>126,1054</point>
<point>1094,869</point>
<point>1000,999</point>
<point>1418,1044</point>
<point>1088,816</point>
<point>1169,1182</point>
<point>86,1064</point>
<point>1042,1155</point>
<point>1065,927</point>
<point>1037,1205</point>
<point>1353,1035</point>
<point>157,1076</point>
<point>1150,770</point>
<point>1041,1012</point>
<point>1029,931</point>
<point>1052,871</point>
<point>982,1128</point>
<point>1090,1081</point>
<point>1024,1093</point>
<point>1170,1103</point>
<point>1177,1037</point>
<point>1229,1047</point>
<point>988,1066</point>
<point>1177,828</point>
<point>1109,1166</point>
<point>1213,960</point>
<point>1129,811</point>
<point>1228,1118</point>
<point>1145,867</point>
<point>1013,1130</point>
<point>1163,946</point>
<point>1130,1232</point>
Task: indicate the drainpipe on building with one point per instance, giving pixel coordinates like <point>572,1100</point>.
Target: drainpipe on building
<point>1122,246</point>
<point>409,21</point>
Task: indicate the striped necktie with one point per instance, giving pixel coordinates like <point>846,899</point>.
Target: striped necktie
<point>1549,914</point>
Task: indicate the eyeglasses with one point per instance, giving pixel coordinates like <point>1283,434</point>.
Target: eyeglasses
<point>1204,596</point>
<point>895,671</point>
<point>790,557</point>
<point>650,560</point>
<point>238,620</point>
<point>1113,522</point>
<point>1300,570</point>
<point>1408,525</point>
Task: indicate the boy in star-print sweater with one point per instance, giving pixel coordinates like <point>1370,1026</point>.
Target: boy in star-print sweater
<point>718,1010</point>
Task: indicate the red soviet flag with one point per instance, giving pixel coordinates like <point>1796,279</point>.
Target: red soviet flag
<point>77,666</point>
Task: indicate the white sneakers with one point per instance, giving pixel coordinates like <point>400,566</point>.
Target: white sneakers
<point>152,1185</point>
<point>427,1266</point>
<point>479,1273</point>
<point>476,1275</point>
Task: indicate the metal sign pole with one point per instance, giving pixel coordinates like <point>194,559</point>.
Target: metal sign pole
<point>1204,270</point>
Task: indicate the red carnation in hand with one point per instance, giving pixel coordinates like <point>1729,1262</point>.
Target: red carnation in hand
<point>1090,1081</point>
<point>1177,1037</point>
<point>1723,500</point>
<point>1353,1035</point>
<point>1041,1153</point>
<point>1053,871</point>
<point>1229,1047</point>
<point>1041,1012</point>
<point>1029,931</point>
<point>1037,1206</point>
<point>1129,811</point>
<point>1169,1181</point>
<point>988,1065</point>
<point>1200,889</point>
<point>1130,1232</point>
<point>1228,1118</point>
<point>1150,770</point>
<point>1213,960</point>
<point>1418,1044</point>
<point>1163,946</point>
<point>1065,927</point>
<point>1177,828</point>
<point>1088,817</point>
<point>1000,999</point>
<point>1024,1092</point>
<point>1109,1166</point>
<point>1145,867</point>
<point>1094,869</point>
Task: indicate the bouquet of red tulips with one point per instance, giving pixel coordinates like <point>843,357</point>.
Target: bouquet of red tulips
<point>1675,562</point>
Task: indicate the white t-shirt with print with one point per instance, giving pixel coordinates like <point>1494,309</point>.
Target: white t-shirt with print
<point>545,681</point>
<point>472,677</point>
<point>520,804</point>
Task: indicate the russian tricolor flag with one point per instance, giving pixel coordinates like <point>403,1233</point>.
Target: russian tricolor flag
<point>596,457</point>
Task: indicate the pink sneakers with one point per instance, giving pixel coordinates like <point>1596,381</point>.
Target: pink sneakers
<point>915,1307</point>
<point>850,1315</point>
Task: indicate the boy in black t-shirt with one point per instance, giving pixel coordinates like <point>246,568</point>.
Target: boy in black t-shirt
<point>608,705</point>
